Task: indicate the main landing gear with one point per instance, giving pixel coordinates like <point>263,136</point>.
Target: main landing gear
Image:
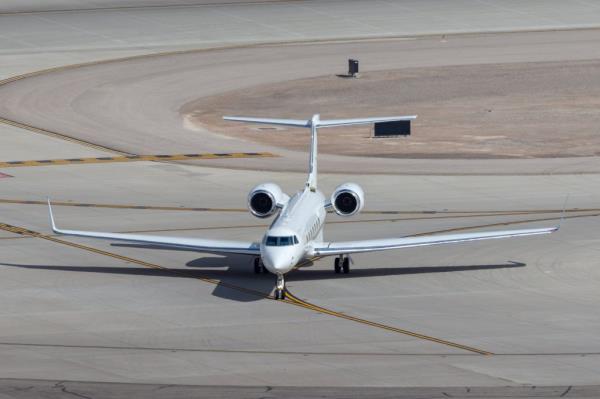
<point>342,263</point>
<point>259,267</point>
<point>280,290</point>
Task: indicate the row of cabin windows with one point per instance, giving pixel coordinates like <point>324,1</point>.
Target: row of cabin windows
<point>313,230</point>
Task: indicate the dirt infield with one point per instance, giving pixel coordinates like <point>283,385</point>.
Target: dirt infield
<point>525,110</point>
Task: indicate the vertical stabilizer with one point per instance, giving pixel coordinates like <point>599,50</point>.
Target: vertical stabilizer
<point>314,124</point>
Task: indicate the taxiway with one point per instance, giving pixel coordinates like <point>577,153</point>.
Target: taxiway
<point>497,317</point>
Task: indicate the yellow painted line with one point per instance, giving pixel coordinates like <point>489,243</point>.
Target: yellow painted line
<point>150,6</point>
<point>296,301</point>
<point>291,299</point>
<point>61,68</point>
<point>136,158</point>
<point>121,206</point>
<point>432,215</point>
<point>299,302</point>
<point>26,232</point>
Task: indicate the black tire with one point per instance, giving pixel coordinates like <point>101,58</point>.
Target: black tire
<point>257,266</point>
<point>336,265</point>
<point>282,295</point>
<point>346,265</point>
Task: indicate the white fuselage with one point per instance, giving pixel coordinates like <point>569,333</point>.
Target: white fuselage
<point>289,239</point>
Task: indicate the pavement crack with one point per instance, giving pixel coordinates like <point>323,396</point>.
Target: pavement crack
<point>566,392</point>
<point>63,388</point>
<point>164,387</point>
<point>22,389</point>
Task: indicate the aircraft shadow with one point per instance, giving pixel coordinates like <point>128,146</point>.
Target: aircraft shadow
<point>166,248</point>
<point>321,274</point>
<point>262,284</point>
<point>240,273</point>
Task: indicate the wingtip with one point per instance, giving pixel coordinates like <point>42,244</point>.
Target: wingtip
<point>52,223</point>
<point>562,214</point>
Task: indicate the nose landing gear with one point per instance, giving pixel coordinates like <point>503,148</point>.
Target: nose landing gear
<point>342,263</point>
<point>280,290</point>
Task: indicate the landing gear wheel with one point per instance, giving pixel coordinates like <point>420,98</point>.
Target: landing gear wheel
<point>258,267</point>
<point>336,266</point>
<point>279,295</point>
<point>280,291</point>
<point>346,265</point>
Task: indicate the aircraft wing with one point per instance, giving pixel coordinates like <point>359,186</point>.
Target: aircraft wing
<point>199,244</point>
<point>350,247</point>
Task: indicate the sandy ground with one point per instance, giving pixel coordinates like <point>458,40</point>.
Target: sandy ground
<point>476,111</point>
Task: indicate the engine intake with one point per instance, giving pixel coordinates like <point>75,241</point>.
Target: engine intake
<point>264,199</point>
<point>348,199</point>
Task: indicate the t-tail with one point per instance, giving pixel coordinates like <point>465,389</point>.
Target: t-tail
<point>314,124</point>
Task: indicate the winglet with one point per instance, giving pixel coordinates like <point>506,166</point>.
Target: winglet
<point>562,215</point>
<point>54,229</point>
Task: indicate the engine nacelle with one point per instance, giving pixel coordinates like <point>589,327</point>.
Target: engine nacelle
<point>348,199</point>
<point>264,199</point>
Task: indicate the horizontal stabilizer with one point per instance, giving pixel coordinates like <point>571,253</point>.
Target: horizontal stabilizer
<point>316,122</point>
<point>363,121</point>
<point>269,121</point>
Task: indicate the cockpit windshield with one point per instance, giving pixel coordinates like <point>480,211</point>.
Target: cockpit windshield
<point>273,241</point>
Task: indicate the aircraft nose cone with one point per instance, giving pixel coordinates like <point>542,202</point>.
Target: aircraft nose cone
<point>277,261</point>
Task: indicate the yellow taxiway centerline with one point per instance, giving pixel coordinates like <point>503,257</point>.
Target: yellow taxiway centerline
<point>291,298</point>
<point>299,302</point>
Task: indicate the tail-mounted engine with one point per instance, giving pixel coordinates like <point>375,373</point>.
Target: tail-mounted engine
<point>348,199</point>
<point>265,198</point>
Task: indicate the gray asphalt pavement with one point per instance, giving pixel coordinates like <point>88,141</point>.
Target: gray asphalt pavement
<point>27,388</point>
<point>515,318</point>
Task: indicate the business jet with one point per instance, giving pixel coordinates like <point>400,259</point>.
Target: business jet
<point>296,234</point>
